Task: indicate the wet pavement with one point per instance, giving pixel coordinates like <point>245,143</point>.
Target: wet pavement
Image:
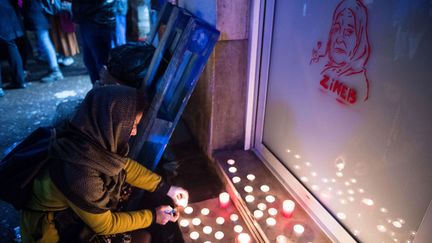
<point>24,110</point>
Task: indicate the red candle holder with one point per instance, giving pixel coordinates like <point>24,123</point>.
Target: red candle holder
<point>224,199</point>
<point>288,207</point>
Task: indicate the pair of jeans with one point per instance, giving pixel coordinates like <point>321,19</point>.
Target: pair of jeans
<point>96,45</point>
<point>15,61</point>
<point>47,47</point>
<point>120,35</point>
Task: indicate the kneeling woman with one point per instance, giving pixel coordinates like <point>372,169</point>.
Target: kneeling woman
<point>87,169</point>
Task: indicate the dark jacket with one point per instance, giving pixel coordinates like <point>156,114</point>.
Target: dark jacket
<point>10,24</point>
<point>101,12</point>
<point>34,15</point>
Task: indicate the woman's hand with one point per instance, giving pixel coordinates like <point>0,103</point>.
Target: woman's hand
<point>179,195</point>
<point>166,213</point>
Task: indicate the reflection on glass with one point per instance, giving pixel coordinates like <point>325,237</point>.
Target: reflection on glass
<point>381,228</point>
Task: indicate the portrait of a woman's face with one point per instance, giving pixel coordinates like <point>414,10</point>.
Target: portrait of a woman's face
<point>343,37</point>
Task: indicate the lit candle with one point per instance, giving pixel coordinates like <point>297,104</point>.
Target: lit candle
<point>250,177</point>
<point>248,189</point>
<point>281,239</point>
<point>249,198</point>
<point>243,238</point>
<point>219,235</point>
<point>298,229</point>
<point>205,211</point>
<point>196,221</point>
<point>258,214</point>
<point>234,217</point>
<point>232,169</point>
<point>207,230</point>
<point>262,206</point>
<point>184,223</point>
<point>265,188</point>
<point>270,199</point>
<point>236,179</point>
<point>272,211</point>
<point>271,221</point>
<point>224,199</point>
<point>194,235</point>
<point>238,228</point>
<point>220,220</point>
<point>188,210</point>
<point>288,208</point>
<point>230,161</point>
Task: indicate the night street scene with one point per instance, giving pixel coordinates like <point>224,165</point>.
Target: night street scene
<point>245,121</point>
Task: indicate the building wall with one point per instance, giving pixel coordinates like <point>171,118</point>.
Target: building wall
<point>216,110</point>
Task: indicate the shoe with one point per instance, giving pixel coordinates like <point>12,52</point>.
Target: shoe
<point>14,85</point>
<point>27,75</point>
<point>1,92</point>
<point>65,61</point>
<point>53,76</point>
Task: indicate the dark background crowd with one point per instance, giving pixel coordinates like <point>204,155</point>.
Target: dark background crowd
<point>55,32</point>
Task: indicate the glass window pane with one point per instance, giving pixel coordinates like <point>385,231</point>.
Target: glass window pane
<point>348,109</point>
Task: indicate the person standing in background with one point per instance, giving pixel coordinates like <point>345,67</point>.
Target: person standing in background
<point>36,20</point>
<point>96,21</point>
<point>10,30</point>
<point>120,32</point>
<point>63,35</point>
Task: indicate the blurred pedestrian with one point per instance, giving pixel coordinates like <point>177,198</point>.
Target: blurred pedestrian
<point>63,35</point>
<point>35,19</point>
<point>120,32</point>
<point>10,30</point>
<point>96,21</point>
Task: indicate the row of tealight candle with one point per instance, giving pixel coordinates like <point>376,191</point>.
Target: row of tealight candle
<point>288,206</point>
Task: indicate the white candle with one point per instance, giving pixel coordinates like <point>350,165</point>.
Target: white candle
<point>230,161</point>
<point>207,230</point>
<point>243,238</point>
<point>219,235</point>
<point>236,179</point>
<point>194,235</point>
<point>234,217</point>
<point>298,229</point>
<point>258,214</point>
<point>262,206</point>
<point>288,208</point>
<point>270,199</point>
<point>224,199</point>
<point>220,220</point>
<point>184,223</point>
<point>249,198</point>
<point>248,189</point>
<point>188,210</point>
<point>250,177</point>
<point>238,228</point>
<point>272,211</point>
<point>232,169</point>
<point>205,211</point>
<point>281,239</point>
<point>196,221</point>
<point>265,188</point>
<point>271,221</point>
